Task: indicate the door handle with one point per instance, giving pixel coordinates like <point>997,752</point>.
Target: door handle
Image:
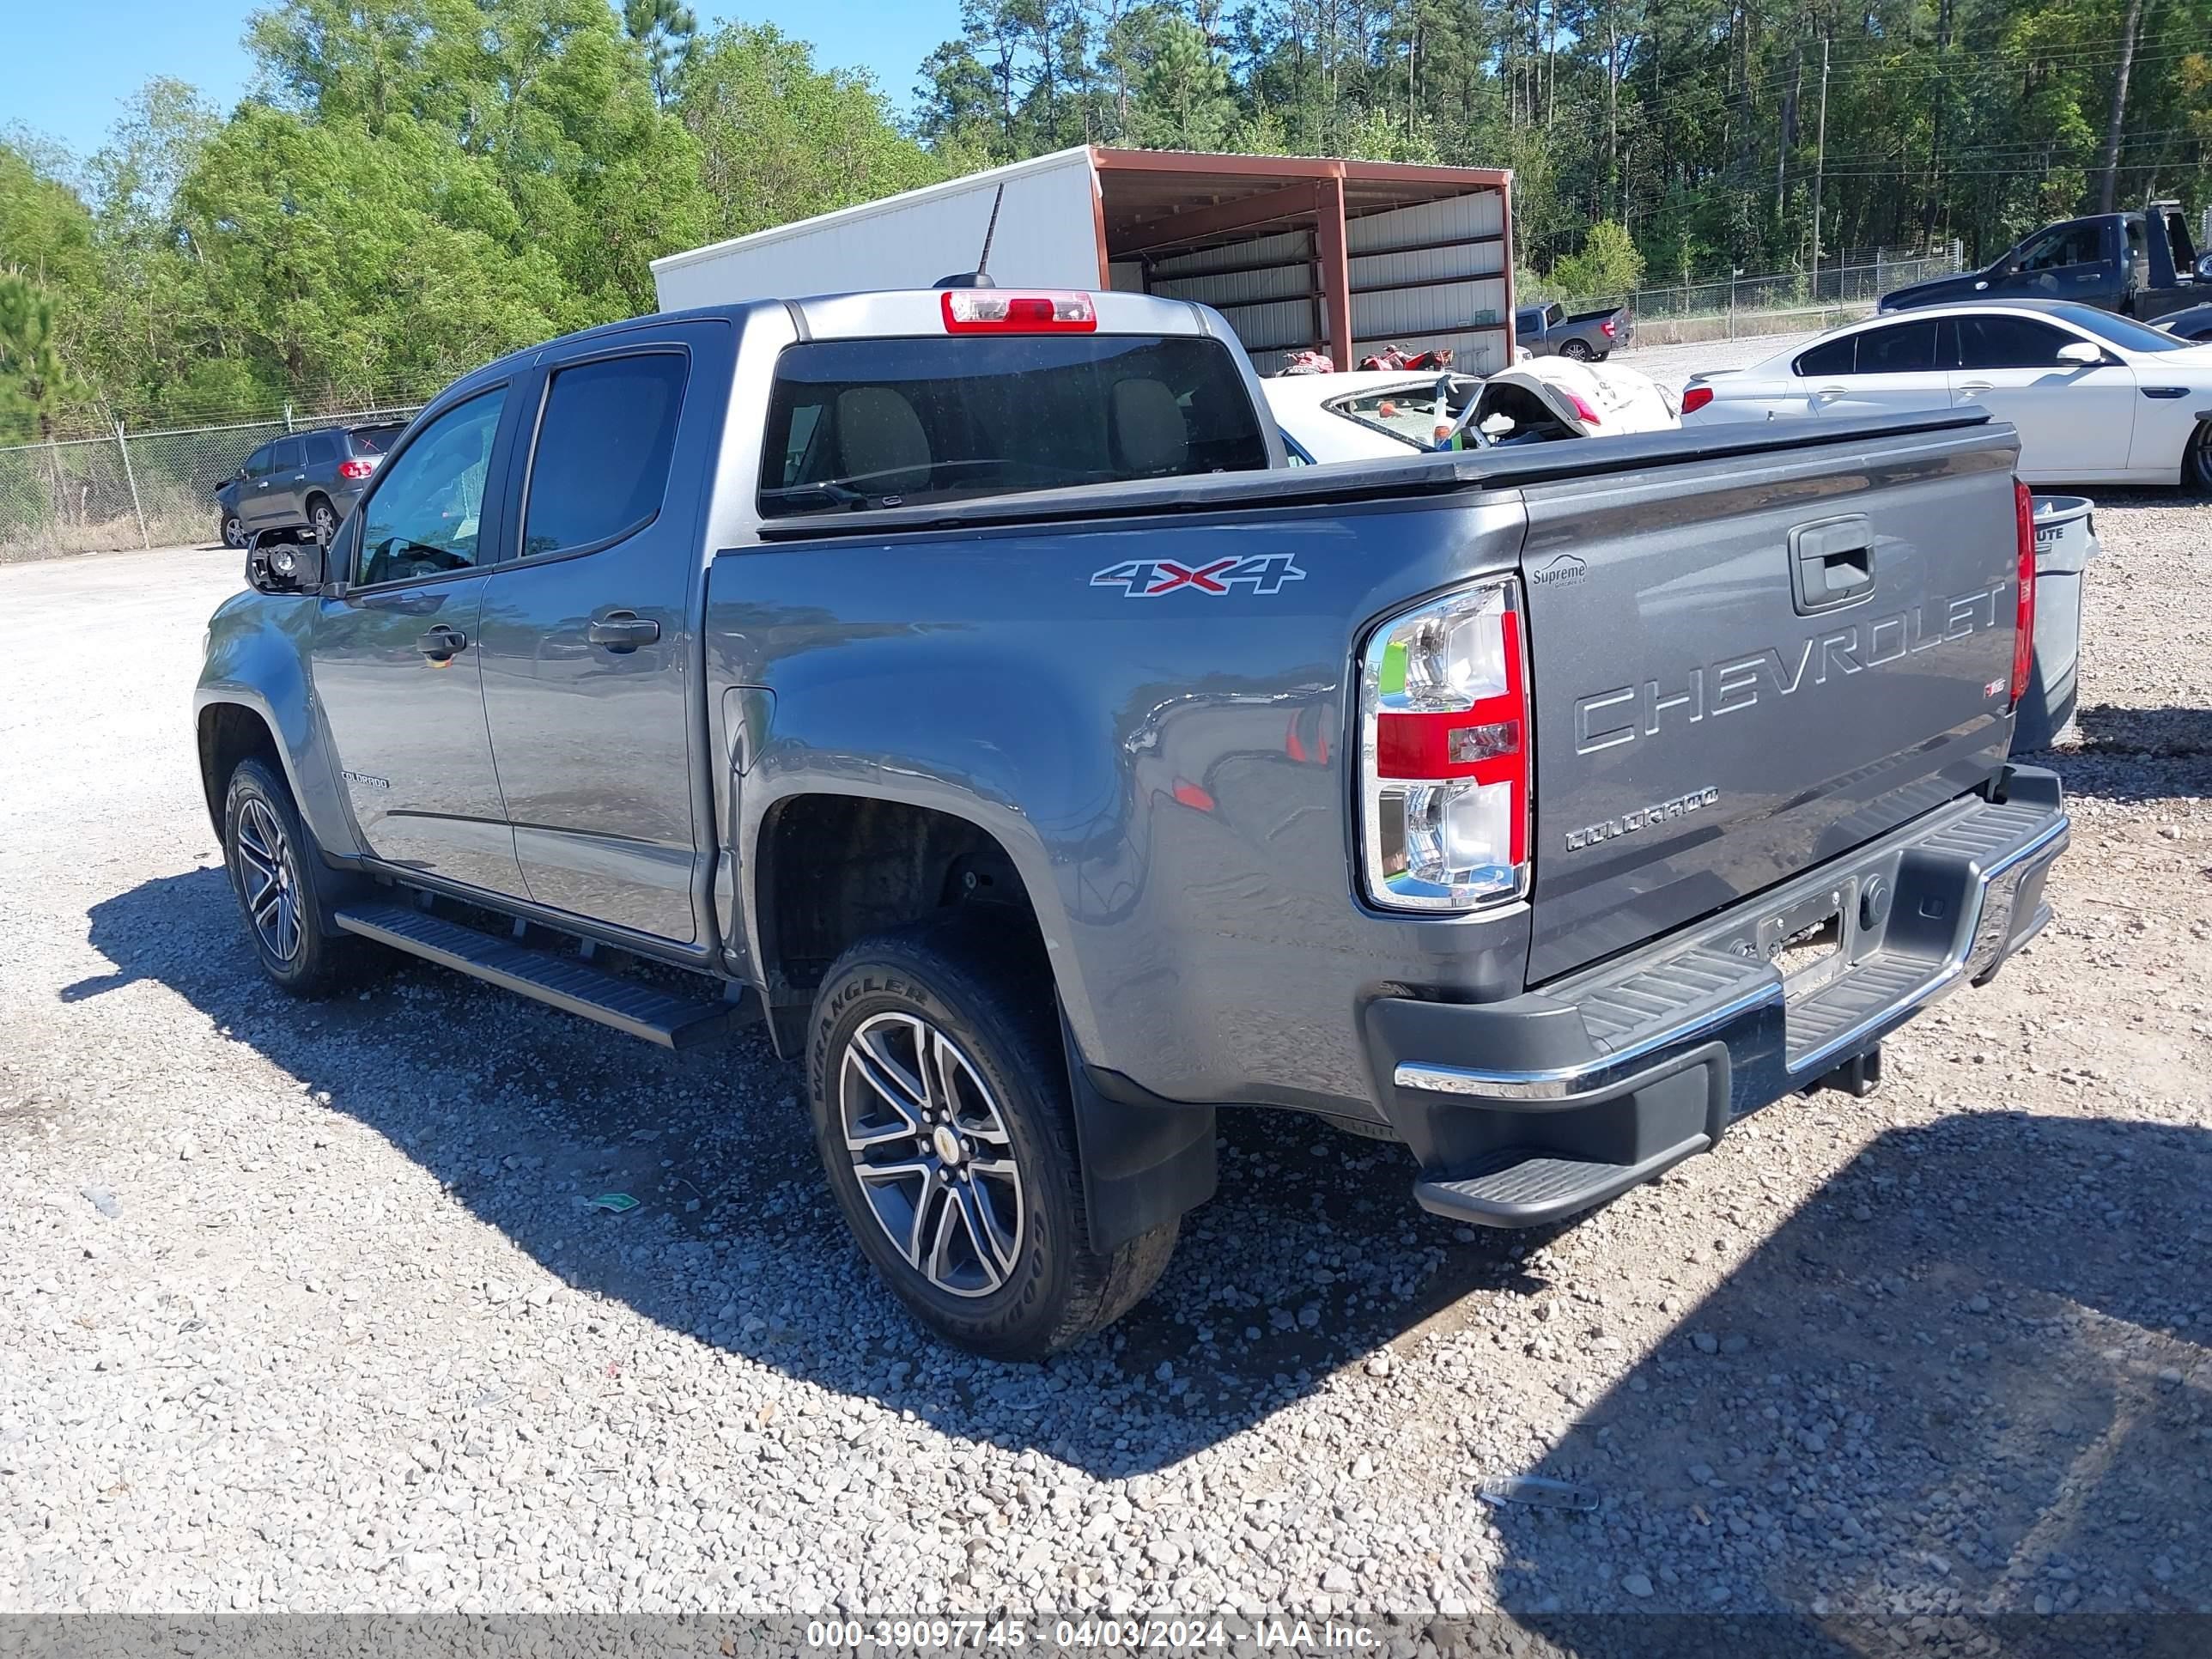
<point>1975,388</point>
<point>1827,392</point>
<point>622,631</point>
<point>442,644</point>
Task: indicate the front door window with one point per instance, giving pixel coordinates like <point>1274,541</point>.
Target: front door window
<point>422,519</point>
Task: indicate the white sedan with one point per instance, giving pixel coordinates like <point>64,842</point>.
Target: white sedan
<point>1365,414</point>
<point>2097,398</point>
<point>1375,416</point>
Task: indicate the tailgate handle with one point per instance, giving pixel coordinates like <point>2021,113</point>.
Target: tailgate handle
<point>1831,564</point>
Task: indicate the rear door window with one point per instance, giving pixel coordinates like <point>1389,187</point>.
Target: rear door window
<point>1996,341</point>
<point>1902,349</point>
<point>861,423</point>
<point>286,455</point>
<point>605,445</point>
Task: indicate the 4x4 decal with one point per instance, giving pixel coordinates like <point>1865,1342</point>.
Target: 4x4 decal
<point>1148,578</point>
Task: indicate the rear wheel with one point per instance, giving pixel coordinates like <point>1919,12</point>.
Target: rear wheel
<point>939,1094</point>
<point>2197,460</point>
<point>1577,350</point>
<point>323,518</point>
<point>281,884</point>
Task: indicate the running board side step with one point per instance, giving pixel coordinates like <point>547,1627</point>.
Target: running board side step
<point>564,982</point>
<point>1519,1187</point>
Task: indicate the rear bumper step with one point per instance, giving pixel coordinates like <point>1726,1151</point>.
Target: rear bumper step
<point>641,1010</point>
<point>1531,1110</point>
<point>1526,1191</point>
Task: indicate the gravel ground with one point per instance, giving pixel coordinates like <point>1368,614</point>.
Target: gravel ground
<point>1671,365</point>
<point>300,1308</point>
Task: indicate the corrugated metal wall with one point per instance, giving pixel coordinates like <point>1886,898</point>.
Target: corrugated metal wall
<point>1419,278</point>
<point>1047,237</point>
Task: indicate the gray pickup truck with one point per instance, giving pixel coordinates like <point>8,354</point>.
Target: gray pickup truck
<point>961,681</point>
<point>1588,337</point>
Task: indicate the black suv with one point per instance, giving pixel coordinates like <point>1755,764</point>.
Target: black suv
<point>310,478</point>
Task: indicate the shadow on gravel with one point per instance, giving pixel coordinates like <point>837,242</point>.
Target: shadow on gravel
<point>2168,733</point>
<point>2133,755</point>
<point>1970,1376</point>
<point>1313,1256</point>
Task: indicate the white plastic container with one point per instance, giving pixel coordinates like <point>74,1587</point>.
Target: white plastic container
<point>2065,541</point>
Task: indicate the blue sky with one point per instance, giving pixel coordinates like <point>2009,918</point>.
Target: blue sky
<point>65,72</point>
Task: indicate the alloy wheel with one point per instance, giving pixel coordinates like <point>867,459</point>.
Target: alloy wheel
<point>267,879</point>
<point>327,524</point>
<point>233,532</point>
<point>930,1149</point>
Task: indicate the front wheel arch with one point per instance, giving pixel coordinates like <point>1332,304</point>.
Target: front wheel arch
<point>230,732</point>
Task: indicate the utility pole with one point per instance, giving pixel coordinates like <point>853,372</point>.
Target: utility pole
<point>1821,157</point>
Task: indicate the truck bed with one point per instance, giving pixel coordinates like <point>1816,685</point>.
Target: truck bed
<point>1427,474</point>
<point>1191,779</point>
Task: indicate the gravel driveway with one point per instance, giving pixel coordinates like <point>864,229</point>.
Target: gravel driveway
<point>301,1306</point>
<point>1671,365</point>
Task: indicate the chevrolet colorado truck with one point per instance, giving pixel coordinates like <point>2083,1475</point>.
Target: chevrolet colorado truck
<point>961,681</point>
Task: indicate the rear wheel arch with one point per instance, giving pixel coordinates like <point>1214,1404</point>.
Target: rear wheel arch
<point>828,870</point>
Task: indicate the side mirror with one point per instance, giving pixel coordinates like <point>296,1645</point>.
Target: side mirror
<point>2081,352</point>
<point>277,563</point>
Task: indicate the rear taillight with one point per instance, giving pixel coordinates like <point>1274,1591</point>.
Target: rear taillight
<point>1444,763</point>
<point>1582,408</point>
<point>355,469</point>
<point>1607,328</point>
<point>2023,637</point>
<point>988,311</point>
<point>1695,399</point>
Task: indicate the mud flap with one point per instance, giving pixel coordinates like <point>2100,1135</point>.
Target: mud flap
<point>1145,1160</point>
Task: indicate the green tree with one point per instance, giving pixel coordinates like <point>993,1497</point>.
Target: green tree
<point>45,229</point>
<point>665,29</point>
<point>1609,264</point>
<point>37,384</point>
<point>778,139</point>
<point>1186,102</point>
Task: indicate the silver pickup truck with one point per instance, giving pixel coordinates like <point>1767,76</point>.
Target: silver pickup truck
<point>960,682</point>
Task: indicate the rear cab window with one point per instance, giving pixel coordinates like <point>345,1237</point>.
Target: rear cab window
<point>865,423</point>
<point>374,439</point>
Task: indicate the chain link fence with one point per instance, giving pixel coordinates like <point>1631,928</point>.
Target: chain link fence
<point>1732,307</point>
<point>126,489</point>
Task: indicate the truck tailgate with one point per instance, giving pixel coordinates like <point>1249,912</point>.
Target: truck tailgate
<point>1744,667</point>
